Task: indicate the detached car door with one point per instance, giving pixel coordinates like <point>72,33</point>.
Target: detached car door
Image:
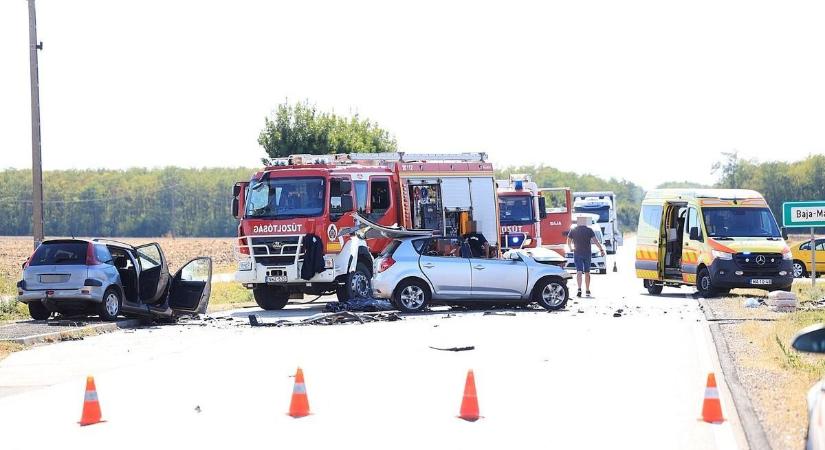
<point>153,277</point>
<point>190,287</point>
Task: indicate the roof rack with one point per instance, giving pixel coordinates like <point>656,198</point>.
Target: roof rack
<point>409,157</point>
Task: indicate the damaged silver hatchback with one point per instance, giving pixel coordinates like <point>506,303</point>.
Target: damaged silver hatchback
<point>111,278</point>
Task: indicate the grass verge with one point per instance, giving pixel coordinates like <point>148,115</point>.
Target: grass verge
<point>229,295</point>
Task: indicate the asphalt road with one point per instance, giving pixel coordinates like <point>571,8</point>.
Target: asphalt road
<point>579,378</point>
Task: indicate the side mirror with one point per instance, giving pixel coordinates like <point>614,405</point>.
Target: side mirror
<point>346,186</point>
<point>346,202</point>
<point>515,256</point>
<point>694,234</point>
<point>810,339</point>
<point>784,233</point>
<point>235,207</point>
<point>542,207</point>
<point>236,190</point>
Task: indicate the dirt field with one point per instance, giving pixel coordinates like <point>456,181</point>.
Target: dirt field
<point>14,251</point>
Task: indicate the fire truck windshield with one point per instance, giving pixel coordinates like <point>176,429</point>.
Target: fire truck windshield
<point>515,209</point>
<point>602,211</point>
<point>286,198</point>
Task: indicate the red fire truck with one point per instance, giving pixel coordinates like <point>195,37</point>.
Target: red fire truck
<point>533,217</point>
<point>293,214</point>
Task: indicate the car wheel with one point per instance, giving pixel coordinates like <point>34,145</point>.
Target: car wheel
<point>704,284</point>
<point>551,294</point>
<point>411,296</point>
<point>38,311</point>
<point>653,288</point>
<point>357,284</point>
<point>799,269</point>
<point>271,298</point>
<point>109,308</point>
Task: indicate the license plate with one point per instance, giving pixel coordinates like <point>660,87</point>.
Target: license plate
<point>761,281</point>
<point>276,279</point>
<point>54,278</point>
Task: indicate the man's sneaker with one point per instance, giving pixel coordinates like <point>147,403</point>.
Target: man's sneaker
<point>579,293</point>
<point>587,294</point>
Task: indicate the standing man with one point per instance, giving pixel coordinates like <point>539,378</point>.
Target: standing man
<point>580,239</point>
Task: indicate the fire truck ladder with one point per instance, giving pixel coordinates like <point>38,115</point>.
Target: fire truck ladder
<point>410,157</point>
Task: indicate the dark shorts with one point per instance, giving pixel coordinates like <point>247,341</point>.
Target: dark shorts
<point>582,263</point>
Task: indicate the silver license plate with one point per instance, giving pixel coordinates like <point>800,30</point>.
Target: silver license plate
<point>761,281</point>
<point>276,279</point>
<point>54,278</point>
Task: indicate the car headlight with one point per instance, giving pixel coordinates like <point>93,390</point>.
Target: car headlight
<point>722,255</point>
<point>595,255</point>
<point>787,256</point>
<point>245,264</point>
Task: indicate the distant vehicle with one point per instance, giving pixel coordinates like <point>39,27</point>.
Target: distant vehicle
<point>714,239</point>
<point>801,253</point>
<point>305,200</point>
<point>598,262</point>
<point>812,340</point>
<point>414,271</point>
<point>110,278</point>
<point>603,204</point>
<point>532,217</point>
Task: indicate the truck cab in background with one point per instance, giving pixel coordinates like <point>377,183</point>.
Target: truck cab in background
<point>533,217</point>
<point>296,216</point>
<point>602,204</point>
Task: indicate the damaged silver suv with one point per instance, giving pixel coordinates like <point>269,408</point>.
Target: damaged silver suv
<point>110,278</point>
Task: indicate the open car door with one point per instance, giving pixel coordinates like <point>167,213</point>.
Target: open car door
<point>190,287</point>
<point>153,277</point>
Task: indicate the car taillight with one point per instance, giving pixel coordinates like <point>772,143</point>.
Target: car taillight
<point>91,259</point>
<point>385,264</point>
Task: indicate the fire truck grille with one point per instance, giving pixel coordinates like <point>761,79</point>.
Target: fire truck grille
<point>275,260</point>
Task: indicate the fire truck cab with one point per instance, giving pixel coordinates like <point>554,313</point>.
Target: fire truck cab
<point>295,216</point>
<point>533,217</point>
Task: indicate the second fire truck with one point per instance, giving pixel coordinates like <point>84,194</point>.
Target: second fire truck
<point>533,217</point>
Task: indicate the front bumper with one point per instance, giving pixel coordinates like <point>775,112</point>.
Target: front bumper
<point>92,294</point>
<point>596,264</point>
<point>723,274</point>
<point>260,272</point>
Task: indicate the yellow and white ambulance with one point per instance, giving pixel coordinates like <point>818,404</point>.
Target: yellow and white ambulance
<point>714,239</point>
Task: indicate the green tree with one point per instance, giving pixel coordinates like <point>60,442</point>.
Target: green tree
<point>301,128</point>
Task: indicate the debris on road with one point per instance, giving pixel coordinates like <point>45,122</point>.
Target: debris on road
<point>330,319</point>
<point>454,349</point>
<point>360,304</point>
<point>618,312</point>
<point>499,313</point>
<point>751,303</point>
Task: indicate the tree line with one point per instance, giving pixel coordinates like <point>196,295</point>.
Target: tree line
<point>135,202</point>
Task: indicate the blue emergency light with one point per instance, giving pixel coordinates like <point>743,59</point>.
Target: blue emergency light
<point>519,185</point>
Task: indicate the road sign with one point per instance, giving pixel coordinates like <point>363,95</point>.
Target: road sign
<point>803,214</point>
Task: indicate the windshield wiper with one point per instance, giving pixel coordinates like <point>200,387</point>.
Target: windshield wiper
<point>722,238</point>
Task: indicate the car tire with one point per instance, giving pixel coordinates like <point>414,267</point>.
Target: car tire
<point>109,308</point>
<point>704,284</point>
<point>38,311</point>
<point>798,269</point>
<point>551,294</point>
<point>271,298</point>
<point>411,296</point>
<point>653,288</point>
<point>357,284</point>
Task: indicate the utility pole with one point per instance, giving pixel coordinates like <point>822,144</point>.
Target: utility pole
<point>37,167</point>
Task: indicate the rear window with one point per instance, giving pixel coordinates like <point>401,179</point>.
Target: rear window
<point>59,253</point>
<point>390,248</point>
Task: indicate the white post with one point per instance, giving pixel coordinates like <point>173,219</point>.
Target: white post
<point>813,258</point>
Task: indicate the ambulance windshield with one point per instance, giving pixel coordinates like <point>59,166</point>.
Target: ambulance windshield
<point>286,198</point>
<point>740,222</point>
<point>515,209</point>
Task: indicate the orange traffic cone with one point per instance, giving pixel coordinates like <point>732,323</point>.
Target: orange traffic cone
<point>469,404</point>
<point>299,406</point>
<point>91,407</point>
<point>711,408</point>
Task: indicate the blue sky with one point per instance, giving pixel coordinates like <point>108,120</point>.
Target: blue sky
<point>645,90</point>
